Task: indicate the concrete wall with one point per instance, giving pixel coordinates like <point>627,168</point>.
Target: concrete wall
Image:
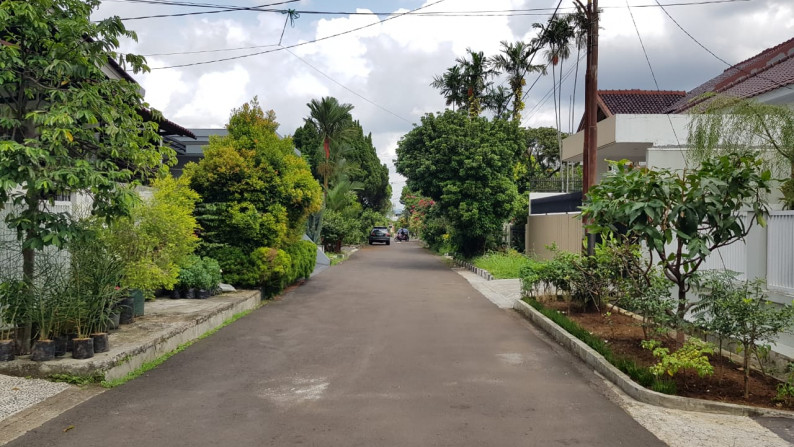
<point>545,229</point>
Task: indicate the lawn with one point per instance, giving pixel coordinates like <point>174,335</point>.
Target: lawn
<point>503,265</point>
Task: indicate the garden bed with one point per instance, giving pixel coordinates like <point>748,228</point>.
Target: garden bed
<point>623,335</point>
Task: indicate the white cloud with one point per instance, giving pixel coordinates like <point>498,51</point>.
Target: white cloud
<point>211,104</point>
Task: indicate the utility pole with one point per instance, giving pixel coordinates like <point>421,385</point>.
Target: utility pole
<point>591,109</point>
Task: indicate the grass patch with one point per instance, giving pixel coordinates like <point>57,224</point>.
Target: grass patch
<point>639,374</point>
<point>76,379</point>
<point>503,265</point>
<point>158,361</point>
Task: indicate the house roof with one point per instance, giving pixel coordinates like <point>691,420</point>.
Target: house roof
<point>637,101</point>
<point>769,70</point>
<point>167,127</point>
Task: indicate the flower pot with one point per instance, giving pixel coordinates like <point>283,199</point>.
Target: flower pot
<point>101,343</point>
<point>203,294</point>
<point>7,348</point>
<point>137,297</point>
<point>189,293</point>
<point>60,345</point>
<point>114,320</point>
<point>127,314</point>
<point>83,348</point>
<point>175,294</point>
<point>43,350</point>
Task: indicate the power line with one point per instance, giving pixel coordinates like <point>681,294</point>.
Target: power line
<point>650,67</point>
<point>736,66</point>
<point>481,13</point>
<point>545,97</point>
<point>299,44</point>
<point>344,86</point>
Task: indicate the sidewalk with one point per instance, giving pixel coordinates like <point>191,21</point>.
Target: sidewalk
<point>26,401</point>
<point>677,428</point>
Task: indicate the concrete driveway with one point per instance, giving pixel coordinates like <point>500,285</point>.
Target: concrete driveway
<point>390,348</point>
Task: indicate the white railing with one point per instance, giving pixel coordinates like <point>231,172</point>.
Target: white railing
<point>780,251</point>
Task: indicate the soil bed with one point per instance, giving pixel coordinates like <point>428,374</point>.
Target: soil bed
<point>624,336</point>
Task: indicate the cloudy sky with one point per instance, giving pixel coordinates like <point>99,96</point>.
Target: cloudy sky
<point>384,70</point>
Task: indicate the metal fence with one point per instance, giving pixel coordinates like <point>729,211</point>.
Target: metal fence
<point>780,251</point>
<point>555,184</point>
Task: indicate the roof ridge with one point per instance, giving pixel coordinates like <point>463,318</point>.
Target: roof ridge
<point>643,92</point>
<point>757,55</point>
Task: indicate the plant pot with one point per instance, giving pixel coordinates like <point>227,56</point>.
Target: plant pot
<point>189,293</point>
<point>203,294</point>
<point>138,300</point>
<point>60,345</point>
<point>114,319</point>
<point>83,348</point>
<point>43,350</point>
<point>101,342</point>
<point>127,314</point>
<point>175,294</point>
<point>7,348</point>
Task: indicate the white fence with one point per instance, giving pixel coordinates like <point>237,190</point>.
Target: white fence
<point>780,252</point>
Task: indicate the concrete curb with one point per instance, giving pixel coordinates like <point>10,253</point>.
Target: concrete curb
<point>624,382</point>
<point>469,266</point>
<point>119,362</point>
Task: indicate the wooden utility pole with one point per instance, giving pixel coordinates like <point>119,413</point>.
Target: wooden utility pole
<point>591,110</point>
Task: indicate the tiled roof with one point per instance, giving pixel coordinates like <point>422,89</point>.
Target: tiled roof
<point>769,70</point>
<point>638,101</point>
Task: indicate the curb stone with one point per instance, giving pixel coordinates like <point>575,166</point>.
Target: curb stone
<point>633,389</point>
<point>476,270</point>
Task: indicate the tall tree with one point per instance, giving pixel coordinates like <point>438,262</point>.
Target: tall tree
<point>476,73</point>
<point>451,86</point>
<point>514,61</point>
<point>497,100</point>
<point>332,122</point>
<point>64,126</point>
<point>465,165</point>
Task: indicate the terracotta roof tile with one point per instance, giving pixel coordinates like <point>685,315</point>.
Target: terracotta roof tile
<point>638,101</point>
<point>771,69</point>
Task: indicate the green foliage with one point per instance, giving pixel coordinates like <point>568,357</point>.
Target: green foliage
<point>76,379</point>
<point>339,229</point>
<point>647,294</point>
<point>157,238</point>
<point>466,166</point>
<point>256,196</point>
<point>639,374</point>
<point>503,264</point>
<point>680,217</point>
<point>66,127</point>
<point>785,390</point>
<point>692,355</point>
<point>200,273</point>
<point>734,125</point>
<point>739,310</point>
<point>304,258</point>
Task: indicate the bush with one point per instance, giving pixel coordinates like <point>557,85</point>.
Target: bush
<point>200,273</point>
<point>690,356</point>
<point>304,258</point>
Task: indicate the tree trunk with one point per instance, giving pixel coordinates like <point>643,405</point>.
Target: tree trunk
<point>28,265</point>
<point>746,371</point>
<point>680,313</point>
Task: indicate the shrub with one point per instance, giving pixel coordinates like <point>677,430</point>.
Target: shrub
<point>304,258</point>
<point>200,273</point>
<point>692,355</point>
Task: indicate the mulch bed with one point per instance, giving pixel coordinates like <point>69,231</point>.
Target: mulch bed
<point>624,336</point>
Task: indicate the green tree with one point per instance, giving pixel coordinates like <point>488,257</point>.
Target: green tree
<point>451,86</point>
<point>466,166</point>
<point>332,122</point>
<point>514,61</point>
<point>64,126</point>
<point>680,217</point>
<point>256,195</point>
<point>730,125</point>
<point>476,71</point>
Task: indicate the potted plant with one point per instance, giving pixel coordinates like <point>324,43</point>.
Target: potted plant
<point>10,305</point>
<point>200,277</point>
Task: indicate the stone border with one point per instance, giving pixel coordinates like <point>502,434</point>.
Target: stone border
<point>471,267</point>
<point>624,382</point>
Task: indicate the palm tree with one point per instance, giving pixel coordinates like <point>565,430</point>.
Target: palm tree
<point>451,86</point>
<point>497,100</point>
<point>514,61</point>
<point>476,72</point>
<point>557,35</point>
<point>334,124</point>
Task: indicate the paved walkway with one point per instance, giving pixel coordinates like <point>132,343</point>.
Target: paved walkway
<point>676,428</point>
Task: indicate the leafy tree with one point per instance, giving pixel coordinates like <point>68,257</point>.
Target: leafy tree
<point>465,165</point>
<point>680,217</point>
<point>514,61</point>
<point>64,126</point>
<point>367,170</point>
<point>256,195</point>
<point>730,125</point>
<point>497,100</point>
<point>739,310</point>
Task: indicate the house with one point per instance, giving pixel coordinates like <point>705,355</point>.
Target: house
<point>650,128</point>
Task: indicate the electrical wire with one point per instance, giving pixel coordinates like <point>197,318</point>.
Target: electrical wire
<point>650,67</point>
<point>345,87</point>
<point>298,44</point>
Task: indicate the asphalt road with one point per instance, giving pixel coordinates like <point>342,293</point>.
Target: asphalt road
<point>390,348</point>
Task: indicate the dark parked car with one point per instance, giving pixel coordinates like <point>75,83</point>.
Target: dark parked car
<point>379,234</point>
